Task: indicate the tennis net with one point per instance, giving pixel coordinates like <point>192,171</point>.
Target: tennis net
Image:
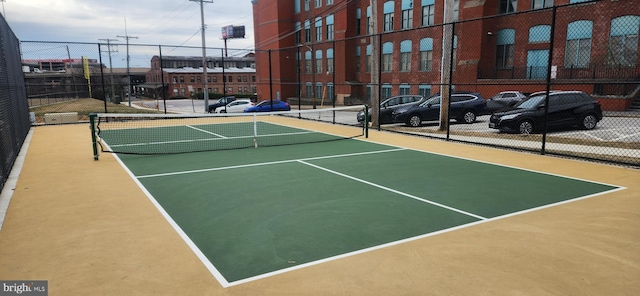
<point>183,133</point>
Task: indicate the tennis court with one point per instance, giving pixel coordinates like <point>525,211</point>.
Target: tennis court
<point>253,213</point>
<point>89,228</point>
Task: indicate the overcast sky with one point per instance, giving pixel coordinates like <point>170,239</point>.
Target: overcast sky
<point>154,22</point>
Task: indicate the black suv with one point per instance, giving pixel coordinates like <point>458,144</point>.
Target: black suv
<point>221,102</point>
<point>566,109</point>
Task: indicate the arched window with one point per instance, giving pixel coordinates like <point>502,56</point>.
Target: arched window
<point>505,40</point>
<point>387,56</point>
<point>540,34</point>
<point>426,54</point>
<point>578,51</point>
<point>623,41</point>
<point>405,56</point>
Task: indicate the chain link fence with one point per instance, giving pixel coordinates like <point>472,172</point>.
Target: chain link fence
<point>559,48</point>
<point>14,115</point>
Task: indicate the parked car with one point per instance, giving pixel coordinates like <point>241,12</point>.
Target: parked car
<point>237,106</point>
<point>221,102</point>
<point>266,106</point>
<point>504,99</point>
<point>465,107</point>
<point>566,109</point>
<point>388,105</point>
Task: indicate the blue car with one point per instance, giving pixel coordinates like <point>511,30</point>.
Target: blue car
<point>268,106</point>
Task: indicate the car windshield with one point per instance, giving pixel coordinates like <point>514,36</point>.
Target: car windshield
<point>532,102</point>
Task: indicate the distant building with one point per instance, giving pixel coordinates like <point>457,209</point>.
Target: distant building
<point>183,76</point>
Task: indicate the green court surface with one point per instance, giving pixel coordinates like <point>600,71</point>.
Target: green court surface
<point>255,212</point>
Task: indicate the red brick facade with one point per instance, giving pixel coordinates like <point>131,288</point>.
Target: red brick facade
<point>474,56</point>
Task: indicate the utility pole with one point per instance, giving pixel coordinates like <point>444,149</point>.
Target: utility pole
<point>111,68</point>
<point>445,67</point>
<point>127,37</point>
<point>375,65</point>
<point>204,54</point>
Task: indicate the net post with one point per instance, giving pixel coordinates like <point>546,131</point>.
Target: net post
<point>92,123</point>
<point>366,121</point>
<point>255,130</point>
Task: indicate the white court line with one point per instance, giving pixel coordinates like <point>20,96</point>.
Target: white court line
<point>393,190</point>
<point>267,163</point>
<point>208,132</point>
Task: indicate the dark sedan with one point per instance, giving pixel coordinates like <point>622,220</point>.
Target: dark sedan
<point>388,105</point>
<point>268,106</point>
<point>465,107</point>
<point>566,109</point>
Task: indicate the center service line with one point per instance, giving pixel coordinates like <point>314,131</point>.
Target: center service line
<point>393,190</point>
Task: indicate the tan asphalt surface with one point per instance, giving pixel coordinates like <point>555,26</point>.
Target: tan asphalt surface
<point>88,229</point>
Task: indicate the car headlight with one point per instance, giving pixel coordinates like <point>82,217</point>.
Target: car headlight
<point>510,116</point>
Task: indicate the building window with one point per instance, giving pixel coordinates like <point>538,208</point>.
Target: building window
<point>387,57</point>
<point>508,6</point>
<point>330,60</point>
<point>329,2</point>
<point>358,50</point>
<point>426,54</point>
<point>308,90</point>
<point>307,31</point>
<point>318,61</point>
<point>330,91</point>
<point>198,79</point>
<point>244,78</point>
<point>330,27</point>
<point>307,62</point>
<point>296,6</point>
<point>538,4</point>
<point>369,24</point>
<point>407,14</point>
<point>215,78</point>
<point>306,5</point>
<point>540,34</point>
<point>424,90</point>
<point>319,91</point>
<point>405,89</point>
<point>623,41</point>
<point>298,34</point>
<point>318,25</point>
<point>239,79</point>
<point>505,48</point>
<point>369,60</point>
<point>253,79</point>
<point>181,79</point>
<point>428,12</point>
<point>230,78</point>
<point>358,21</point>
<point>175,79</point>
<point>208,78</point>
<point>388,16</point>
<point>578,51</point>
<point>318,3</point>
<point>385,91</point>
<point>405,56</point>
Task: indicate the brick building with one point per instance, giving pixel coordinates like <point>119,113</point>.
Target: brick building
<point>311,49</point>
<point>183,76</point>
